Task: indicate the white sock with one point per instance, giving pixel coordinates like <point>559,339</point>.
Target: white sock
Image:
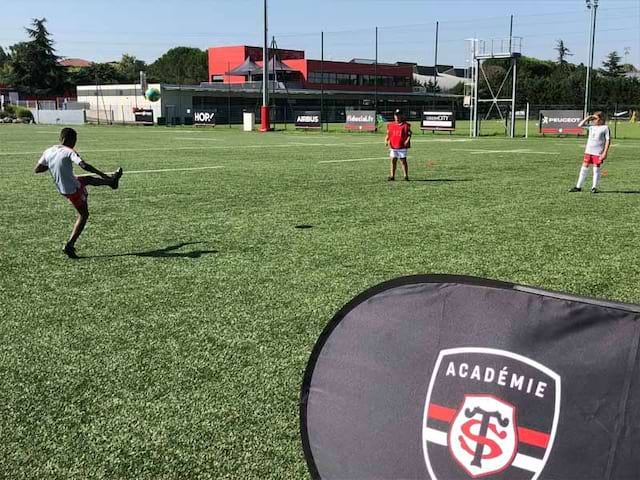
<point>596,177</point>
<point>584,171</point>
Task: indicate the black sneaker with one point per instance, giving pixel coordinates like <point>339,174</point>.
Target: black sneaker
<point>390,179</point>
<point>115,178</point>
<point>406,179</point>
<point>575,189</point>
<point>594,190</point>
<point>70,251</point>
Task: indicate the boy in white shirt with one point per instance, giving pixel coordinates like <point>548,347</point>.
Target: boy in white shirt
<point>59,160</point>
<point>596,151</point>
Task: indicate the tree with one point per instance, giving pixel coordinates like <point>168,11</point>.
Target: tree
<point>612,65</point>
<point>4,58</point>
<point>432,86</point>
<point>563,52</point>
<point>129,68</point>
<point>97,73</point>
<point>180,65</point>
<point>34,64</point>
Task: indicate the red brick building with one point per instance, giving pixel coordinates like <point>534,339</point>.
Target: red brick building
<point>311,74</point>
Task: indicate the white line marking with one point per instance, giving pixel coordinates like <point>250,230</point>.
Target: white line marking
<point>524,462</point>
<point>203,147</point>
<point>197,138</point>
<point>477,151</point>
<point>353,160</point>
<point>436,436</point>
<point>129,172</point>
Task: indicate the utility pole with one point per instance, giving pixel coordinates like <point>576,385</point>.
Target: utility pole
<point>592,5</point>
<point>264,111</point>
<point>375,76</point>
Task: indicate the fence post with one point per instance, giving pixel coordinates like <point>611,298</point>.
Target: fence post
<point>615,126</point>
<point>526,123</point>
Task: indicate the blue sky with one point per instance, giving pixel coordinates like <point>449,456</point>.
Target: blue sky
<point>102,31</point>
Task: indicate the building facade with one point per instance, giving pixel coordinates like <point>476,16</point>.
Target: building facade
<point>303,73</point>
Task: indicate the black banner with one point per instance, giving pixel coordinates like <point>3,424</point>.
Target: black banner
<point>143,115</point>
<point>451,378</point>
<point>361,120</point>
<point>308,119</point>
<point>438,121</point>
<point>561,121</point>
<point>201,117</point>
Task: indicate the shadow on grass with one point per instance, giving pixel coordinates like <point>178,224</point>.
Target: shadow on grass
<point>620,191</point>
<point>167,252</point>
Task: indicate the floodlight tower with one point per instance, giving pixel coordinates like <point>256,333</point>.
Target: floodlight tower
<point>264,111</point>
<point>592,5</point>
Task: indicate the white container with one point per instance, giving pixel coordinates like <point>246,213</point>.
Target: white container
<point>249,121</point>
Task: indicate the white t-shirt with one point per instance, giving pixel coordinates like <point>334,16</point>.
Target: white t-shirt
<point>598,136</point>
<point>59,161</point>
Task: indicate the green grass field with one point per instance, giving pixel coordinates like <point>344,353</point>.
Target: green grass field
<point>175,348</point>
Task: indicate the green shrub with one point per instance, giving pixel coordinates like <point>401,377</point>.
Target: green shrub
<point>10,109</point>
<point>23,112</point>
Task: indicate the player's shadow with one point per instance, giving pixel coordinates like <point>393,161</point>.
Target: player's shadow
<point>620,191</point>
<point>167,252</point>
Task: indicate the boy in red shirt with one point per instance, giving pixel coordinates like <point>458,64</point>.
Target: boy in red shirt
<point>399,140</point>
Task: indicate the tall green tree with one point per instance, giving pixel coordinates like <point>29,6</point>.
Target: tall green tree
<point>34,64</point>
<point>129,68</point>
<point>612,66</point>
<point>4,58</point>
<point>180,65</point>
<point>97,73</point>
<point>563,52</point>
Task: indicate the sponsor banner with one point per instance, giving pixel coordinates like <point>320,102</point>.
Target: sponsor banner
<point>456,378</point>
<point>361,120</point>
<point>445,121</point>
<point>308,119</point>
<point>202,117</point>
<point>143,115</point>
<point>561,121</point>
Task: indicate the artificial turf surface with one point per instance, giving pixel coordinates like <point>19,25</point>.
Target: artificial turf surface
<point>175,348</point>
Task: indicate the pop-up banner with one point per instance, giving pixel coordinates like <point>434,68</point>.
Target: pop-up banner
<point>143,115</point>
<point>361,120</point>
<point>454,378</point>
<point>438,121</point>
<point>561,121</point>
<point>204,117</point>
<point>308,119</point>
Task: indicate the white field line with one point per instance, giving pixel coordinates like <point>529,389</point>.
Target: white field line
<point>353,160</point>
<point>198,139</point>
<point>165,149</point>
<point>130,172</point>
<point>478,151</point>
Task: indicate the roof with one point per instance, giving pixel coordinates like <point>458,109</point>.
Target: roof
<point>448,69</point>
<point>277,65</point>
<point>245,68</point>
<point>74,62</point>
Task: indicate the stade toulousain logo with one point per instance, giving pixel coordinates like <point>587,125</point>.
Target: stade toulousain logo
<point>489,414</point>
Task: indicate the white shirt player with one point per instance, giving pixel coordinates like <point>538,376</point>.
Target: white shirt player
<point>598,137</point>
<point>59,159</point>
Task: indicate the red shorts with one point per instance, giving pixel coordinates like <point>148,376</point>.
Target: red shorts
<point>592,159</point>
<point>79,197</point>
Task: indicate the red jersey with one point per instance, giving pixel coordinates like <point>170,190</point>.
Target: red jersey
<point>398,134</point>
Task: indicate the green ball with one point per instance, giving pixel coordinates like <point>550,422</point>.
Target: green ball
<point>152,94</point>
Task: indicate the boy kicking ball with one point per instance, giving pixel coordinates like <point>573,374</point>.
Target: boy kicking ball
<point>59,160</point>
<point>596,151</point>
<point>399,140</point>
